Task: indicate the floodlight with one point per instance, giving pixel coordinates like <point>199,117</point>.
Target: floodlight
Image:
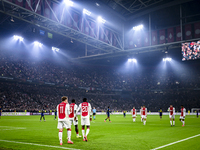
<point>167,59</point>
<point>38,43</point>
<point>16,37</point>
<point>55,49</point>
<point>100,19</point>
<point>138,27</point>
<point>97,4</point>
<point>132,60</point>
<point>68,2</point>
<point>87,12</point>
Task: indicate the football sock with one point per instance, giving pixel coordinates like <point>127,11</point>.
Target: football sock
<point>60,136</point>
<point>171,122</point>
<point>83,132</point>
<point>144,122</point>
<point>141,119</point>
<point>183,122</point>
<point>87,131</point>
<point>69,134</point>
<point>94,117</point>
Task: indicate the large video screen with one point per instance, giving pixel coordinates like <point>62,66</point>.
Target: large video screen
<point>191,50</point>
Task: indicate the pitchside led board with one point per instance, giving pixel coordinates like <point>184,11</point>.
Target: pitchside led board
<point>191,50</point>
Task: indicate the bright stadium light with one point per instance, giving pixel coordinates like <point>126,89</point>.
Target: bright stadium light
<point>87,12</point>
<point>16,37</point>
<point>55,49</point>
<point>138,27</point>
<point>167,59</point>
<point>38,43</point>
<point>132,60</point>
<point>68,2</point>
<point>100,19</point>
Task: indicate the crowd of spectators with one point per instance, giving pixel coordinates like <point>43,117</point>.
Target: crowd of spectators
<point>21,97</point>
<point>110,87</point>
<point>92,76</point>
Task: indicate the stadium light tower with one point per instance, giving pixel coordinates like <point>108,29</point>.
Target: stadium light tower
<point>100,19</point>
<point>87,12</point>
<point>167,59</point>
<point>68,2</point>
<point>55,49</point>
<point>16,37</point>
<point>138,27</point>
<point>132,60</point>
<point>38,43</point>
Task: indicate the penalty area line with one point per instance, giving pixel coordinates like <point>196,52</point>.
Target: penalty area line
<point>50,146</point>
<point>176,142</point>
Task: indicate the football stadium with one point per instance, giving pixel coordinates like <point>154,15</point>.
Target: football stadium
<point>99,74</point>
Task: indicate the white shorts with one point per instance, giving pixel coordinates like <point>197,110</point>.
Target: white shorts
<point>63,124</point>
<point>182,117</point>
<point>85,121</point>
<point>144,116</point>
<point>171,116</point>
<point>133,115</point>
<point>71,120</point>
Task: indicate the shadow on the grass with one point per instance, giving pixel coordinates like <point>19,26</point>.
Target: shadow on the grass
<point>2,148</point>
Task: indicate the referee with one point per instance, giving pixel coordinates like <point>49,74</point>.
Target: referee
<point>94,113</point>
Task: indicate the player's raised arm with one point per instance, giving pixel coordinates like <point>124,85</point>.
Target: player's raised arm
<point>146,111</point>
<point>57,111</point>
<point>67,110</point>
<point>90,111</point>
<point>77,110</point>
<point>184,112</point>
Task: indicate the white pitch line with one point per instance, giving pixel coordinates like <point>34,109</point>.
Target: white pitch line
<point>176,142</point>
<point>38,144</point>
<point>11,128</point>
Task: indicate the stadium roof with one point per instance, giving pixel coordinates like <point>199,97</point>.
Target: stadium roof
<point>127,13</point>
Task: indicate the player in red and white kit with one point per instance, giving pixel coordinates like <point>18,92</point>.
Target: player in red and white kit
<point>182,117</point>
<point>86,117</point>
<point>63,119</point>
<point>171,110</point>
<point>73,109</point>
<point>144,115</point>
<point>141,113</point>
<point>134,113</point>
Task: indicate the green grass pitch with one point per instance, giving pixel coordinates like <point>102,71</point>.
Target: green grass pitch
<point>121,133</point>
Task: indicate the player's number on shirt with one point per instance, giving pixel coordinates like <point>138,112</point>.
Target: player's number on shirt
<point>61,109</point>
<point>84,109</point>
<point>71,109</point>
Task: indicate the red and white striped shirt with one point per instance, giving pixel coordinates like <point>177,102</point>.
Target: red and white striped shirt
<point>63,111</point>
<point>73,108</point>
<point>183,111</point>
<point>85,108</point>
<point>133,111</point>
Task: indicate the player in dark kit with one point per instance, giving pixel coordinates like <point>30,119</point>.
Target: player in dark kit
<point>0,112</point>
<point>55,113</point>
<point>124,114</point>
<point>108,114</point>
<point>160,112</point>
<point>42,115</point>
